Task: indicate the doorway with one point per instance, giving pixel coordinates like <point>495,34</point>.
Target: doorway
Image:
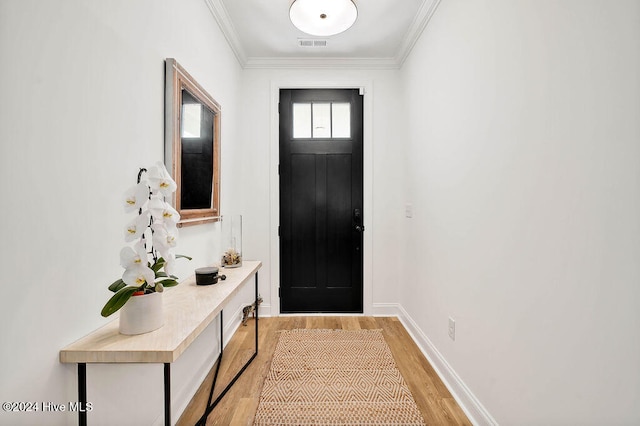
<point>321,200</point>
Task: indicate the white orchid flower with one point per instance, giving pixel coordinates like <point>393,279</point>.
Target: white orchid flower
<point>170,263</point>
<point>170,214</point>
<point>137,255</point>
<point>156,206</point>
<point>165,236</point>
<point>135,197</point>
<point>138,275</point>
<point>162,211</point>
<point>136,227</point>
<point>160,180</point>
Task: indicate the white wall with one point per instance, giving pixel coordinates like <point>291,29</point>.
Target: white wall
<point>523,165</point>
<point>383,172</point>
<point>512,129</point>
<point>82,86</point>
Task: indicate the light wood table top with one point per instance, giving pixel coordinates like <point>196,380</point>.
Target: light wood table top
<point>188,310</point>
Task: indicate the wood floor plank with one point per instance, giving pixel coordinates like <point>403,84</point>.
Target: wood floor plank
<point>350,323</point>
<point>242,414</point>
<point>240,404</point>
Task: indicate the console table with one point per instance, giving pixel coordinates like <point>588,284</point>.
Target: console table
<point>188,310</point>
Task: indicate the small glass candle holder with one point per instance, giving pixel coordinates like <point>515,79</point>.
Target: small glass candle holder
<point>231,241</point>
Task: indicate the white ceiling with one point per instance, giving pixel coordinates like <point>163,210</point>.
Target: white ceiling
<point>262,36</point>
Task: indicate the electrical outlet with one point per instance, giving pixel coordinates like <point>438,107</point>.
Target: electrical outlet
<point>408,210</point>
<point>452,329</point>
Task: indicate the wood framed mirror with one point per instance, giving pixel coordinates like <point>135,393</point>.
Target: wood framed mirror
<point>192,146</point>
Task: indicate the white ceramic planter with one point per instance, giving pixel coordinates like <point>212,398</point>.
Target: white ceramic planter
<point>142,314</point>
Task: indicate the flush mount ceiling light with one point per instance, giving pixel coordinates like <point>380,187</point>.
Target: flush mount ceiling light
<point>323,17</point>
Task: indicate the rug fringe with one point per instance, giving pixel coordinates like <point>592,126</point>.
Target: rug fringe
<point>327,330</point>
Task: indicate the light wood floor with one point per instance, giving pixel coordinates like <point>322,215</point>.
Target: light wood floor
<point>239,406</point>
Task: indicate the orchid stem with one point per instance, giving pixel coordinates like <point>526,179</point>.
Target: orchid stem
<point>142,170</point>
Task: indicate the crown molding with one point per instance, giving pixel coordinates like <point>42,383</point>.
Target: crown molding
<point>321,63</point>
<point>221,16</point>
<point>420,22</point>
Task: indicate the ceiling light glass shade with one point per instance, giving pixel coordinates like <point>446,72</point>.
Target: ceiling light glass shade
<point>323,17</point>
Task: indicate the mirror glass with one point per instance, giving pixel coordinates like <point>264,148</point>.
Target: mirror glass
<point>192,146</point>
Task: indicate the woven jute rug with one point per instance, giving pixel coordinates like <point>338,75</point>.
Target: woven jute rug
<point>335,377</point>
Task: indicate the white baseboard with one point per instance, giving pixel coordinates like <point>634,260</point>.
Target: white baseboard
<point>386,310</point>
<point>471,406</point>
<point>265,310</point>
<point>232,323</point>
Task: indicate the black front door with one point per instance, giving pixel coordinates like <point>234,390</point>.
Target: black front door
<point>321,217</point>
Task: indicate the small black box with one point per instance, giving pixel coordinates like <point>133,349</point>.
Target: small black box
<point>207,275</point>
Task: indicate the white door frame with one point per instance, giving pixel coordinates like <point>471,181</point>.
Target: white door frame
<point>366,88</point>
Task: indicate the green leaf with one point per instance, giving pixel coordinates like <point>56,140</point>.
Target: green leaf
<point>117,285</point>
<point>168,283</point>
<point>161,274</point>
<point>118,300</point>
<point>158,265</point>
<point>178,256</point>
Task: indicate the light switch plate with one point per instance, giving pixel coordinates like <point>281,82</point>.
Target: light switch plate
<point>452,329</point>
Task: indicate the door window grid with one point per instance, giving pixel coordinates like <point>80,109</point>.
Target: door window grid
<point>321,120</point>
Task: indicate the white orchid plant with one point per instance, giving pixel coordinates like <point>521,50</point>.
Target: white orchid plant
<point>147,270</point>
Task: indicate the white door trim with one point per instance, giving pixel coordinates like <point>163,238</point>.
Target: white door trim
<point>366,87</point>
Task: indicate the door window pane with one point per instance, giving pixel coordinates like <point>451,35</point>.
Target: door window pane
<point>322,120</point>
<point>301,120</point>
<point>341,120</point>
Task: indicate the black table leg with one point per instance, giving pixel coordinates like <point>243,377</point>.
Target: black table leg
<point>167,394</point>
<point>82,393</point>
<point>256,311</point>
<point>211,406</point>
<point>219,360</point>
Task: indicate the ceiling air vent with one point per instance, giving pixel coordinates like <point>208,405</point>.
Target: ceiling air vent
<point>312,42</point>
